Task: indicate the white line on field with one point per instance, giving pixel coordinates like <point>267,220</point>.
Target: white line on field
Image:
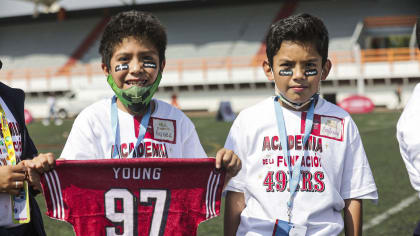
<point>382,217</point>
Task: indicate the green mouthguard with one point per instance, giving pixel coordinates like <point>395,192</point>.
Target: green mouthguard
<point>135,96</point>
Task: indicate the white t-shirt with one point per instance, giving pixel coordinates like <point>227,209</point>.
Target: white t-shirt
<point>408,135</point>
<point>170,134</point>
<point>5,204</point>
<point>335,168</point>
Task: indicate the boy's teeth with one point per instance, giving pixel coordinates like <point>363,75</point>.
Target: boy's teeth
<point>137,82</point>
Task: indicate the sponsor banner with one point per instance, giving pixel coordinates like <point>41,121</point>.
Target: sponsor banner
<point>357,104</point>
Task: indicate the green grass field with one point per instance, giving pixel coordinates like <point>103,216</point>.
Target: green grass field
<point>378,135</point>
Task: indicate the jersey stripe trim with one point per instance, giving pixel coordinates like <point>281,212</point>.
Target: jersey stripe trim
<point>211,195</point>
<point>212,188</point>
<point>54,185</point>
<point>60,194</point>
<point>208,191</point>
<point>207,196</point>
<point>52,197</point>
<point>214,195</point>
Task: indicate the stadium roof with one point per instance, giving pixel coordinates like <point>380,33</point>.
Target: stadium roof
<point>13,8</point>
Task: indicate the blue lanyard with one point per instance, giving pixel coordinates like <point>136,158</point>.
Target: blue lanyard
<point>116,128</point>
<point>295,172</point>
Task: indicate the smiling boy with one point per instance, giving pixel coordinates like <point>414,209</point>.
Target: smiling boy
<point>303,159</point>
<point>132,124</point>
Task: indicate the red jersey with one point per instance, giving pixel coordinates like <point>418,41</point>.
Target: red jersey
<point>134,196</point>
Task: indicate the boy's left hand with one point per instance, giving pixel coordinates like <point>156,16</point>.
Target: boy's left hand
<point>43,162</point>
<point>229,160</point>
<point>35,167</point>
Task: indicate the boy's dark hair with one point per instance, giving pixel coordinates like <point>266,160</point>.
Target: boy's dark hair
<point>137,24</point>
<point>301,28</point>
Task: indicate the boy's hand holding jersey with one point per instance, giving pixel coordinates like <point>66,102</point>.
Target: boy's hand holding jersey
<point>230,161</point>
<point>40,164</point>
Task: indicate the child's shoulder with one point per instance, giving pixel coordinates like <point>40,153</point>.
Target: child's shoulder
<point>98,108</point>
<point>260,109</point>
<point>331,113</point>
<point>258,114</point>
<point>165,110</point>
<point>327,108</point>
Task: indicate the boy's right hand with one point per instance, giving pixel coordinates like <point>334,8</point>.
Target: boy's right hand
<point>229,160</point>
<point>11,178</point>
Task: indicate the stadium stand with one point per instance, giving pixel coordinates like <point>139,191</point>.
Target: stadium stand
<point>43,44</point>
<point>216,31</point>
<point>216,49</point>
<point>84,46</point>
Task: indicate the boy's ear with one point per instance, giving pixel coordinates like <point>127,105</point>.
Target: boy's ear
<point>105,69</point>
<point>267,70</point>
<point>162,66</point>
<point>326,69</point>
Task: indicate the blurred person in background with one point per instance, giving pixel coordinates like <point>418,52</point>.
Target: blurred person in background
<point>52,111</point>
<point>20,164</point>
<point>408,135</point>
<point>51,106</point>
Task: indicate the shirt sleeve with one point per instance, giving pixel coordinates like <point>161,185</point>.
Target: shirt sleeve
<point>235,142</point>
<point>357,181</point>
<point>191,146</point>
<point>408,129</point>
<point>81,143</point>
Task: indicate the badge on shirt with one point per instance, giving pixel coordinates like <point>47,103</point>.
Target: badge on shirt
<point>164,130</point>
<point>20,206</point>
<point>331,127</point>
<point>326,126</point>
<point>284,228</point>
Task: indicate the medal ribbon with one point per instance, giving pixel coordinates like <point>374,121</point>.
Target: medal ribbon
<point>294,172</point>
<point>116,129</point>
<point>7,137</point>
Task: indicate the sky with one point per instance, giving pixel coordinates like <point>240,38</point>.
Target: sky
<point>10,8</point>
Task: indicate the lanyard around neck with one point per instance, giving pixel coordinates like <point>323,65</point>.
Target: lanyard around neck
<point>20,203</point>
<point>116,129</point>
<point>294,172</point>
<point>7,138</point>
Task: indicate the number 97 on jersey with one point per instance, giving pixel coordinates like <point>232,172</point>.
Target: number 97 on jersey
<point>122,209</point>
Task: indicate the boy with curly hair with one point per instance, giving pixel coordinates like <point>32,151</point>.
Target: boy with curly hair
<point>133,58</point>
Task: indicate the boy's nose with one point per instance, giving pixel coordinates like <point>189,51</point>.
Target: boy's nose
<point>135,66</point>
<point>298,73</point>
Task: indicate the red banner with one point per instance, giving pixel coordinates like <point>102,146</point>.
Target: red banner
<point>357,104</point>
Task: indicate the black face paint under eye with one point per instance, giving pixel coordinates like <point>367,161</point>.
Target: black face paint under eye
<point>311,72</point>
<point>149,65</point>
<point>121,67</point>
<point>285,72</point>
